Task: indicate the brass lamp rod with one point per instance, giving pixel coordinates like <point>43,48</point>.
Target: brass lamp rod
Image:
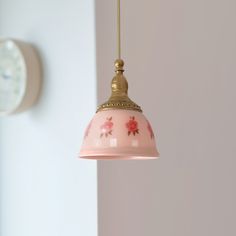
<point>119,86</point>
<point>118,30</point>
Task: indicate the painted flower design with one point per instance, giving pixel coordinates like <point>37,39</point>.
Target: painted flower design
<point>149,127</point>
<point>132,126</point>
<point>106,128</point>
<point>87,129</point>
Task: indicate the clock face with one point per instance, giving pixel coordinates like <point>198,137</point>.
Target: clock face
<point>12,76</point>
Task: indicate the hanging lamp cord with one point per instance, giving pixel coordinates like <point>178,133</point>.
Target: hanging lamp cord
<point>118,30</point>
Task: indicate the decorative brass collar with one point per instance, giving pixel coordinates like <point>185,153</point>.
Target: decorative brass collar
<point>119,97</point>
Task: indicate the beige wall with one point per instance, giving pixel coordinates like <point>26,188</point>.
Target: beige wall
<point>181,66</point>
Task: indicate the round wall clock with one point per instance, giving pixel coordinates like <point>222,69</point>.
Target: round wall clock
<point>20,76</point>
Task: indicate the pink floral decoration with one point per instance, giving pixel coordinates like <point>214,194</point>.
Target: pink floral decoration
<point>150,130</point>
<point>106,128</point>
<point>132,126</point>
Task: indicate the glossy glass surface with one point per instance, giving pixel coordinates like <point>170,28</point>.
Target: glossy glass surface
<point>12,76</point>
<point>119,135</point>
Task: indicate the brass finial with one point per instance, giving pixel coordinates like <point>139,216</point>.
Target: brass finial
<point>119,64</point>
<point>119,86</point>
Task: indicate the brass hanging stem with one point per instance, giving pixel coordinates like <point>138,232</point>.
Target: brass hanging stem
<point>118,30</point>
<point>119,86</point>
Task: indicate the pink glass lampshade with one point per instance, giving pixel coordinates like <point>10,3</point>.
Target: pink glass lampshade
<point>119,134</point>
<point>119,130</point>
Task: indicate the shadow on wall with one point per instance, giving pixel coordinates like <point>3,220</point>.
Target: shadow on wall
<point>129,206</point>
<point>186,83</point>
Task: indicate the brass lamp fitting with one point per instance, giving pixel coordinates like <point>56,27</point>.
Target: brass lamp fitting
<point>119,97</point>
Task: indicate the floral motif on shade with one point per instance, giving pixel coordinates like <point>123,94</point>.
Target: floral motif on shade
<point>88,129</point>
<point>149,127</point>
<point>132,126</point>
<point>118,144</point>
<point>106,128</point>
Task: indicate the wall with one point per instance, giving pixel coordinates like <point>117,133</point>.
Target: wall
<point>180,63</point>
<point>45,190</point>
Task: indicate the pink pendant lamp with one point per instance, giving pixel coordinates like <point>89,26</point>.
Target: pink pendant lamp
<point>119,130</point>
